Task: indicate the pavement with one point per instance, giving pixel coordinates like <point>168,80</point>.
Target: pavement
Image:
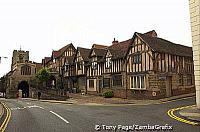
<point>79,99</point>
<point>1,111</point>
<point>191,113</point>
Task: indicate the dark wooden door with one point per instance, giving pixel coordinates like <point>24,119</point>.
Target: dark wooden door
<point>169,86</point>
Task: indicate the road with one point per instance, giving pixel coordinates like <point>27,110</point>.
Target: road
<point>36,116</point>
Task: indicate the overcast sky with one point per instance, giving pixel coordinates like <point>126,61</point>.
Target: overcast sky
<point>43,25</point>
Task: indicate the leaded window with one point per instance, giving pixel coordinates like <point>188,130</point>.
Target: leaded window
<point>94,65</point>
<point>106,82</point>
<point>137,58</point>
<point>108,62</point>
<point>137,82</point>
<point>25,70</point>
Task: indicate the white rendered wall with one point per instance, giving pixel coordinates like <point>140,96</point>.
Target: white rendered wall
<point>195,27</point>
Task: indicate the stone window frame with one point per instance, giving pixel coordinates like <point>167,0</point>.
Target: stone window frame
<point>26,70</point>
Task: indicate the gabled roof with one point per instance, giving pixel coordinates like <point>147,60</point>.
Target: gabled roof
<point>165,46</point>
<point>63,49</point>
<point>84,53</point>
<point>59,52</point>
<point>120,49</point>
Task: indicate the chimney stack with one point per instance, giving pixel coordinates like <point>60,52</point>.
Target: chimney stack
<point>114,41</point>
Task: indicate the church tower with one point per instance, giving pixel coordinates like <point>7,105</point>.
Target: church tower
<point>19,56</point>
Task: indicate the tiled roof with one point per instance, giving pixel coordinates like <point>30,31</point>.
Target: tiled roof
<point>84,53</point>
<point>62,50</point>
<point>165,46</point>
<point>99,52</point>
<point>151,33</point>
<point>119,50</point>
<point>55,54</point>
<point>99,46</point>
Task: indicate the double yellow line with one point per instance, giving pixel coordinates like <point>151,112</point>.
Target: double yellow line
<point>7,119</point>
<point>171,114</point>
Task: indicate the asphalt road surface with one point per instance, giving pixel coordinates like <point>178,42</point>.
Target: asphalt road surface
<point>35,116</point>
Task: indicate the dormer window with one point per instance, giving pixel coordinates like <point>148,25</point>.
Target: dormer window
<point>108,62</point>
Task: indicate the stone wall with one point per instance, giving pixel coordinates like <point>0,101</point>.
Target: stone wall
<point>50,94</point>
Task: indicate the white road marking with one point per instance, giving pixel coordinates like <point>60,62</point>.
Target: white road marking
<point>59,117</point>
<point>32,106</point>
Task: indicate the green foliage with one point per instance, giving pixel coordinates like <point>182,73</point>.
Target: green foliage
<point>108,94</point>
<point>43,75</point>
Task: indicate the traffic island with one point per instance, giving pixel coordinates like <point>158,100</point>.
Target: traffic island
<point>191,113</point>
<point>175,114</point>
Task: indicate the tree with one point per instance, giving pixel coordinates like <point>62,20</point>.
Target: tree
<point>43,75</point>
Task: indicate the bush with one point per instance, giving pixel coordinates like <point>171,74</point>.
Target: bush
<point>108,94</point>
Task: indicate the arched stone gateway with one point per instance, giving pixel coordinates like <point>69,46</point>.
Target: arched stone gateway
<point>24,86</point>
